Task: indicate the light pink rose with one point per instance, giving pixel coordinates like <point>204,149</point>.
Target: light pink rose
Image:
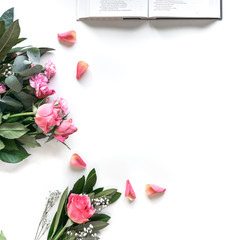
<point>47,116</point>
<point>61,103</point>
<point>2,88</point>
<point>65,129</point>
<point>50,69</point>
<point>79,208</point>
<point>39,82</point>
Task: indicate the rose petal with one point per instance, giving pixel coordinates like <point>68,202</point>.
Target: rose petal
<point>76,160</point>
<point>81,68</point>
<point>69,36</point>
<point>129,191</point>
<point>152,189</point>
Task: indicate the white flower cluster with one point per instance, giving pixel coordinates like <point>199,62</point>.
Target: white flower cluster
<point>85,234</point>
<point>8,71</point>
<point>100,203</point>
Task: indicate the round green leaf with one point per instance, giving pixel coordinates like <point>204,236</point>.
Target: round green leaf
<point>13,83</point>
<point>18,65</point>
<point>33,55</point>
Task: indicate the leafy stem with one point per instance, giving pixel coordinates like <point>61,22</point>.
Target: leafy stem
<point>21,114</point>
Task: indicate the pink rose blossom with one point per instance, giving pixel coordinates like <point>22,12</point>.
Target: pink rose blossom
<point>79,208</point>
<point>47,116</point>
<point>2,88</point>
<point>61,103</point>
<point>39,82</point>
<point>69,36</point>
<point>129,192</point>
<point>153,189</point>
<point>65,129</point>
<point>50,69</point>
<point>76,160</point>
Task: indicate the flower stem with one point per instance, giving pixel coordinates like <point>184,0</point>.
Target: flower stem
<point>68,224</point>
<point>34,133</point>
<point>22,114</point>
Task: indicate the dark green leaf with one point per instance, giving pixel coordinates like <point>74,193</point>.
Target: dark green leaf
<point>97,225</point>
<point>50,232</point>
<point>29,141</point>
<point>1,116</point>
<point>90,183</point>
<point>18,65</point>
<point>12,130</point>
<point>78,186</point>
<point>2,28</point>
<point>10,144</point>
<point>92,172</point>
<point>100,217</point>
<point>14,156</point>
<point>60,210</point>
<point>115,197</point>
<point>11,104</point>
<point>8,16</point>
<point>9,39</point>
<point>13,83</point>
<point>20,40</point>
<point>32,71</point>
<point>26,99</point>
<point>98,190</point>
<point>107,193</point>
<point>33,55</point>
<point>2,146</point>
<point>44,50</point>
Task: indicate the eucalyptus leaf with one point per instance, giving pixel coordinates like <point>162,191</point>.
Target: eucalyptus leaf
<point>2,28</point>
<point>29,141</point>
<point>32,71</point>
<point>33,55</point>
<point>9,39</point>
<point>13,156</point>
<point>7,17</point>
<point>43,50</point>
<point>13,83</point>
<point>18,65</point>
<point>11,104</point>
<point>12,130</point>
<point>2,146</point>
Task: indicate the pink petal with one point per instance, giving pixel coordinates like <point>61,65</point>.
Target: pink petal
<point>129,191</point>
<point>152,189</point>
<point>69,36</point>
<point>76,160</point>
<point>81,68</point>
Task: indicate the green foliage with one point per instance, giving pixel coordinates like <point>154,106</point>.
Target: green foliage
<point>2,237</point>
<point>13,83</point>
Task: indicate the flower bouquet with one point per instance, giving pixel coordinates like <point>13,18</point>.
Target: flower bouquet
<point>26,113</point>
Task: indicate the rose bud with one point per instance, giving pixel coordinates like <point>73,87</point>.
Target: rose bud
<point>129,192</point>
<point>81,68</point>
<point>69,36</point>
<point>79,208</point>
<point>153,189</point>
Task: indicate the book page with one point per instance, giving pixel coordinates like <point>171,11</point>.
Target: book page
<point>185,8</point>
<point>118,8</point>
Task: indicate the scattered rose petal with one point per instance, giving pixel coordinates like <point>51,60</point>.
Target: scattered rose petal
<point>76,160</point>
<point>69,36</point>
<point>81,68</point>
<point>129,191</point>
<point>152,189</point>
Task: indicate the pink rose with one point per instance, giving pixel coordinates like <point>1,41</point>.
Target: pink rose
<point>79,208</point>
<point>50,69</point>
<point>47,116</point>
<point>2,88</point>
<point>65,129</point>
<point>39,82</point>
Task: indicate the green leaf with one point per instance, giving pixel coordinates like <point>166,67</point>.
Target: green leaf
<point>92,172</point>
<point>32,71</point>
<point>1,116</point>
<point>33,55</point>
<point>97,225</point>
<point>98,190</point>
<point>2,28</point>
<point>29,141</point>
<point>115,197</point>
<point>11,104</point>
<point>9,39</point>
<point>60,210</point>
<point>44,50</point>
<point>109,192</point>
<point>90,182</point>
<point>13,83</point>
<point>14,156</point>
<point>6,116</point>
<point>50,232</point>
<point>12,130</point>
<point>10,144</point>
<point>2,146</point>
<point>8,16</point>
<point>78,186</point>
<point>26,99</point>
<point>18,65</point>
<point>100,217</point>
<point>2,237</point>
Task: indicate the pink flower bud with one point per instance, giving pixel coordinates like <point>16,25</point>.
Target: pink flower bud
<point>2,88</point>
<point>81,68</point>
<point>69,36</point>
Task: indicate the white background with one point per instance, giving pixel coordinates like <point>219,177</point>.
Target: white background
<point>159,104</point>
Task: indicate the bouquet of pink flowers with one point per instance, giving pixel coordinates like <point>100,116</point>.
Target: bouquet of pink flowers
<point>26,112</point>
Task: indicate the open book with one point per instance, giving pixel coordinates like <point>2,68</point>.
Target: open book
<point>149,9</point>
